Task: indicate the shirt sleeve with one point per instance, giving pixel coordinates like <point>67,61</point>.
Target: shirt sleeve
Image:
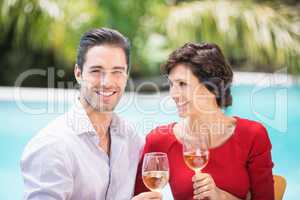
<point>260,167</point>
<point>46,172</point>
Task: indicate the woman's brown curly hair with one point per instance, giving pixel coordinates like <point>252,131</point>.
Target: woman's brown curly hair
<point>208,64</point>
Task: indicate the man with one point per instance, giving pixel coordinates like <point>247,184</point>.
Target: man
<point>89,153</point>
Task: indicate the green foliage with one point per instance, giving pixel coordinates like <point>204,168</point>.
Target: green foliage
<point>44,33</point>
<point>252,34</point>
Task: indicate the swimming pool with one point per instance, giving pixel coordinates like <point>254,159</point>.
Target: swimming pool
<point>275,106</point>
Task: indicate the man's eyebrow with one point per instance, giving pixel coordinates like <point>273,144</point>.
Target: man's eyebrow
<point>119,68</point>
<point>114,68</point>
<point>96,67</point>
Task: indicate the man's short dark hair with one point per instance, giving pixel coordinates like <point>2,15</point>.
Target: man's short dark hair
<point>102,36</point>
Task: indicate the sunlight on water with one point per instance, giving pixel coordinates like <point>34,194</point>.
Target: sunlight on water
<point>147,112</point>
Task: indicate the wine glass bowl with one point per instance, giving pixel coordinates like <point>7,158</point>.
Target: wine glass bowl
<point>155,171</point>
<point>195,152</point>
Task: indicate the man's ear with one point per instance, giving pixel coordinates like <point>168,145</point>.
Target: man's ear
<point>77,73</point>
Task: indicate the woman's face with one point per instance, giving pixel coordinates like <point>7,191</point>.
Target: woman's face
<point>191,97</point>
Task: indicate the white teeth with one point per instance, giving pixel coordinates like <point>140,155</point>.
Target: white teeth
<point>105,93</point>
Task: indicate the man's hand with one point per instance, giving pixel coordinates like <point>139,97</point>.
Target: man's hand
<point>148,195</point>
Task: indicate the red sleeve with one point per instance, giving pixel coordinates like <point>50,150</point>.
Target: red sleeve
<point>158,140</point>
<point>139,184</point>
<point>260,166</point>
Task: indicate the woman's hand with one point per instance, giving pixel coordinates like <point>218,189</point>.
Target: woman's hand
<point>205,187</point>
<point>148,195</point>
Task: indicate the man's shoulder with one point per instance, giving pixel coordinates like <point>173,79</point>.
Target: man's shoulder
<point>56,128</point>
<point>52,135</point>
<point>49,144</point>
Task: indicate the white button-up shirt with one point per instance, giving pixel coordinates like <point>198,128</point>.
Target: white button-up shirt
<point>64,161</point>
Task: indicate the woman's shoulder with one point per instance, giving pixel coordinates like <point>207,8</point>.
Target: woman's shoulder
<point>253,133</point>
<point>161,136</point>
<point>250,128</point>
<point>161,132</point>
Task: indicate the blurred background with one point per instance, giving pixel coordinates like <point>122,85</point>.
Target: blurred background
<point>259,38</point>
<point>255,35</point>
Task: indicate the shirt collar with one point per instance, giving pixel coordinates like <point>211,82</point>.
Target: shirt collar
<point>79,121</point>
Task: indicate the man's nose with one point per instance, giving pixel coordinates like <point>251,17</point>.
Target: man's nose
<point>107,79</point>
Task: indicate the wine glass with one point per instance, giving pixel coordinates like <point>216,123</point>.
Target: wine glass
<point>195,151</point>
<point>155,171</point>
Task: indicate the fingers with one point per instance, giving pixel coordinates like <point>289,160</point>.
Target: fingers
<point>203,195</point>
<point>202,179</point>
<point>204,185</point>
<point>154,195</point>
<point>202,182</point>
<point>202,189</point>
<point>199,176</point>
<point>148,196</point>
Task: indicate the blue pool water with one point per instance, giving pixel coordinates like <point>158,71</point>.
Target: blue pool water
<point>276,107</point>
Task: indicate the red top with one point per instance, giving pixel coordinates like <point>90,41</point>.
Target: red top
<point>243,163</point>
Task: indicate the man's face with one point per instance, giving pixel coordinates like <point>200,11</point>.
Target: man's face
<point>103,77</point>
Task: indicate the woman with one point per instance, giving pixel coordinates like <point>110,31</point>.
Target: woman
<point>240,164</point>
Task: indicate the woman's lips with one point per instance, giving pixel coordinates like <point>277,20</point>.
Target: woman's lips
<point>182,106</point>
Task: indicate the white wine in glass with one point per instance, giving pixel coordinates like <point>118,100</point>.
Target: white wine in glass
<point>155,171</point>
<point>195,152</point>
